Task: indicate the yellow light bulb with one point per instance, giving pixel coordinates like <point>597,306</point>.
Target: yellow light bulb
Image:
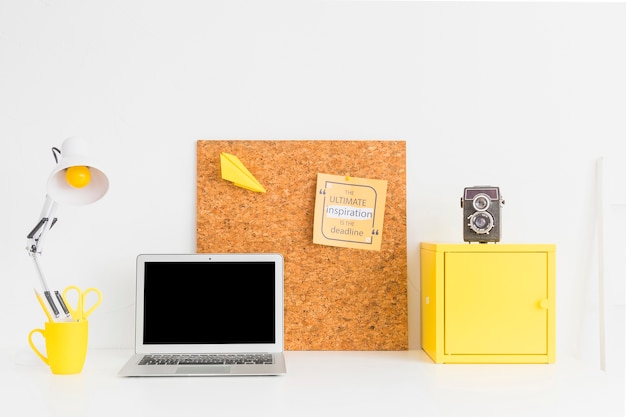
<point>78,176</point>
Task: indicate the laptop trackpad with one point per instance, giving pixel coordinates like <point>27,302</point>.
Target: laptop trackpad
<point>202,369</point>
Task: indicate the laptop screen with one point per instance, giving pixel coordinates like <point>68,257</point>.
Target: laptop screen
<point>200,299</point>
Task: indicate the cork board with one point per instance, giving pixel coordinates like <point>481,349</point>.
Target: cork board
<point>335,298</point>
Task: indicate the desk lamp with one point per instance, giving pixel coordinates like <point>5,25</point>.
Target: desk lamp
<point>75,180</point>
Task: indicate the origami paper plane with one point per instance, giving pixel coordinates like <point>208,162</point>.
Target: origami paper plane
<point>233,170</point>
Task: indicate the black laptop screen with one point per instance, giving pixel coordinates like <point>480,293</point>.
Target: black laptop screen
<point>209,302</point>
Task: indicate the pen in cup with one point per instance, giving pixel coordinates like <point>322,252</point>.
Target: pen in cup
<point>43,305</point>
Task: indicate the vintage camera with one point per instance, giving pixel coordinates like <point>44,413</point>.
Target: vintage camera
<point>481,214</point>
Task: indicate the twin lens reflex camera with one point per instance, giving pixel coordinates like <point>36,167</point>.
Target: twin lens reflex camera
<point>481,214</point>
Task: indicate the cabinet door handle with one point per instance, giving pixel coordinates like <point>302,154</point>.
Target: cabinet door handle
<point>545,304</point>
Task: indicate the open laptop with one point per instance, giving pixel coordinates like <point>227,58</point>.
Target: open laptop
<point>208,314</point>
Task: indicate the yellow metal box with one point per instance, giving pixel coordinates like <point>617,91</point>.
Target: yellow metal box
<point>488,303</point>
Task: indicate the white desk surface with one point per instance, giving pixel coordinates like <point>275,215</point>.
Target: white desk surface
<point>317,384</point>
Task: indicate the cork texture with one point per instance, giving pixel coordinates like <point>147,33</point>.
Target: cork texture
<point>335,298</point>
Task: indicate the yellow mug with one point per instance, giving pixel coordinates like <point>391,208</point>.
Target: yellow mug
<point>66,345</point>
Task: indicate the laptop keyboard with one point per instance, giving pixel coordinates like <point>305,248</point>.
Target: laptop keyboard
<point>209,359</point>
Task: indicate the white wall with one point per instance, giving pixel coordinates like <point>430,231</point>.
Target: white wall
<point>526,96</point>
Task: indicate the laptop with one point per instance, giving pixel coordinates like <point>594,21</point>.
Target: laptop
<point>208,315</point>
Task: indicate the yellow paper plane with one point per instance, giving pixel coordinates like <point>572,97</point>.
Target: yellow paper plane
<point>233,170</point>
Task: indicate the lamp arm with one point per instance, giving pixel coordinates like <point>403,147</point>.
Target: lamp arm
<point>46,221</point>
<point>34,243</point>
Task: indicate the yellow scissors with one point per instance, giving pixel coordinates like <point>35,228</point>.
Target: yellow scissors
<point>79,313</point>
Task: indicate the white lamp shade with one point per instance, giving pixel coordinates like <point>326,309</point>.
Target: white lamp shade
<point>74,153</point>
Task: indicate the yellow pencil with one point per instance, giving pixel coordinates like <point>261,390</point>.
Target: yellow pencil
<point>45,309</point>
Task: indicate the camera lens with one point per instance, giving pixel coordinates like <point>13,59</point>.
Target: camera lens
<point>481,202</point>
<point>481,222</point>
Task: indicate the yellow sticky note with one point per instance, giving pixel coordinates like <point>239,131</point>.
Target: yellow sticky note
<point>349,212</point>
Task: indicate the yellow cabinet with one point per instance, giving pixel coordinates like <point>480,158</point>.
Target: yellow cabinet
<point>488,303</point>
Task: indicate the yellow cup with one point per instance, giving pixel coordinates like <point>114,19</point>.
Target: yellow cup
<point>66,345</point>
